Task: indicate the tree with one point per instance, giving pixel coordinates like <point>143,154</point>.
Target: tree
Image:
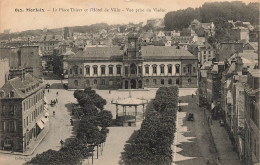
<point>104,118</point>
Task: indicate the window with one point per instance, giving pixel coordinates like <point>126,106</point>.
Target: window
<point>76,82</point>
<point>194,69</point>
<point>154,69</point>
<point>170,69</point>
<point>177,81</point>
<point>189,80</point>
<point>162,81</point>
<point>110,70</point>
<point>189,68</point>
<point>147,81</point>
<point>170,81</point>
<point>2,125</point>
<point>87,82</point>
<point>154,81</point>
<point>162,69</point>
<point>177,67</point>
<point>103,82</point>
<point>11,126</point>
<point>204,51</point>
<point>12,94</point>
<point>87,70</point>
<point>118,69</point>
<point>27,121</point>
<point>76,70</point>
<point>140,69</point>
<point>3,110</point>
<point>209,52</point>
<point>80,71</point>
<point>103,70</point>
<point>126,70</point>
<point>95,69</point>
<point>147,70</point>
<point>11,112</point>
<point>95,81</point>
<point>184,69</point>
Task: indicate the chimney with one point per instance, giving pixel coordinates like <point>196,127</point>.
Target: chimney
<point>239,63</point>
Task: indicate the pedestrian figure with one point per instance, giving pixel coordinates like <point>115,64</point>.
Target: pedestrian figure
<point>53,113</point>
<point>208,163</point>
<point>57,93</point>
<point>109,91</point>
<point>48,90</point>
<point>56,100</point>
<point>192,95</point>
<point>61,142</point>
<point>71,121</point>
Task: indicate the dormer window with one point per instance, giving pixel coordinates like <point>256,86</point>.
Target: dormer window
<point>12,93</point>
<point>2,93</point>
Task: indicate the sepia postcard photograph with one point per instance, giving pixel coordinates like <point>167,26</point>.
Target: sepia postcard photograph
<point>129,82</point>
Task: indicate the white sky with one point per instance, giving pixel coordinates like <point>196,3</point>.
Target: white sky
<point>18,21</point>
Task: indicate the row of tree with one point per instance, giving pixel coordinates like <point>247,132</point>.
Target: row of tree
<point>151,145</point>
<point>92,132</point>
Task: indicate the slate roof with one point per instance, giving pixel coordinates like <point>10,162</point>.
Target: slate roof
<point>21,88</point>
<point>148,52</point>
<point>105,53</point>
<point>165,52</point>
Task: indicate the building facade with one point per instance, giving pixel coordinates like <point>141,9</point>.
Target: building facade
<point>132,67</point>
<point>252,124</point>
<point>22,113</point>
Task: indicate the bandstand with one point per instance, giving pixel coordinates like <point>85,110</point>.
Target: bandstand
<point>129,102</point>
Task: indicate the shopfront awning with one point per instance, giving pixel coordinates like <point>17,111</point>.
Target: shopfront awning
<point>40,124</point>
<point>44,120</point>
<point>45,107</point>
<point>46,114</point>
<point>45,100</point>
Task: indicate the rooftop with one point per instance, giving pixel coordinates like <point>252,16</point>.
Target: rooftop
<point>21,88</point>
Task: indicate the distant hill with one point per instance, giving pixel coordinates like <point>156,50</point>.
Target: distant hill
<point>213,12</point>
<point>82,29</point>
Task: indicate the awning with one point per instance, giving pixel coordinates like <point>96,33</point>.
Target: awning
<point>46,114</point>
<point>44,120</point>
<point>45,100</point>
<point>40,124</point>
<point>45,108</point>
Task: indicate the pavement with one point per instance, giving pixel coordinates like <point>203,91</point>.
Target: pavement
<point>60,128</point>
<point>193,143</point>
<point>227,156</point>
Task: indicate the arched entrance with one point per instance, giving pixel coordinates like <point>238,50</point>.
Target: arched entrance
<point>133,69</point>
<point>133,84</point>
<point>126,84</point>
<point>140,84</point>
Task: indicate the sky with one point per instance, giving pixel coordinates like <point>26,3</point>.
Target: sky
<point>12,18</point>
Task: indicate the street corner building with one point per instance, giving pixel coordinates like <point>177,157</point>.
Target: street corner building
<point>132,66</point>
<point>23,113</point>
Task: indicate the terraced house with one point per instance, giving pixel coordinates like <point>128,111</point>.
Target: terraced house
<point>22,113</point>
<point>132,66</point>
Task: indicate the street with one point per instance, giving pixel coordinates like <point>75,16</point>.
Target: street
<point>194,141</point>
